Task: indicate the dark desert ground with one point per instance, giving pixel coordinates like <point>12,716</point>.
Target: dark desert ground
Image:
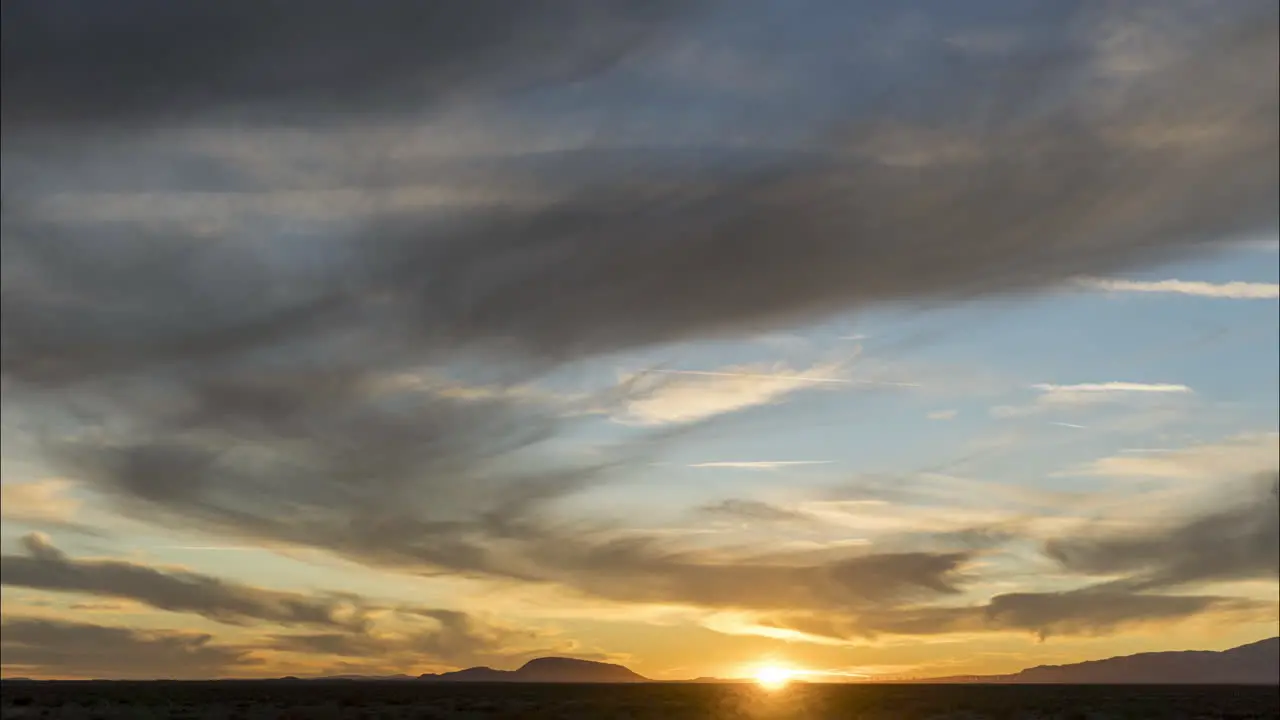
<point>325,700</point>
<point>1148,685</point>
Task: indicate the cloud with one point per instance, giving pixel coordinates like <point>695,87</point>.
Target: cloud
<point>1085,393</point>
<point>942,491</point>
<point>640,570</point>
<point>411,479</point>
<point>1229,290</point>
<point>230,374</point>
<point>196,61</point>
<point>632,247</point>
<point>58,648</point>
<point>393,637</point>
<point>400,477</point>
<point>42,501</point>
<point>428,636</point>
<point>1238,456</point>
<point>44,567</point>
<point>102,607</point>
<point>1096,612</point>
<point>1236,540</point>
<point>940,515</point>
<point>758,464</point>
<point>1088,611</point>
<point>685,396</point>
<point>942,414</point>
<point>1267,246</point>
<point>1141,571</point>
<point>754,510</point>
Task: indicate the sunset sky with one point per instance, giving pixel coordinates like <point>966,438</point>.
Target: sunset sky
<point>834,335</point>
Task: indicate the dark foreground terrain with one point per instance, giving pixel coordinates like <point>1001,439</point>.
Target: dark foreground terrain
<point>408,699</point>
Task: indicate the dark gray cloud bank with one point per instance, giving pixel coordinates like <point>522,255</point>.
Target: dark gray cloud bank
<point>1148,573</point>
<point>45,567</point>
<point>338,625</point>
<point>214,330</point>
<point>39,645</point>
<point>45,646</point>
<point>148,62</point>
<point>1238,541</point>
<point>1087,611</point>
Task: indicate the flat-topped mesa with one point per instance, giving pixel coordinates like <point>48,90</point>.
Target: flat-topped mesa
<point>559,669</point>
<point>542,670</point>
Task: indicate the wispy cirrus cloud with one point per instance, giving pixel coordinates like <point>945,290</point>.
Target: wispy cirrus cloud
<point>757,464</point>
<point>1090,392</point>
<point>1234,457</point>
<point>1051,396</point>
<point>664,397</point>
<point>754,510</point>
<point>1235,290</point>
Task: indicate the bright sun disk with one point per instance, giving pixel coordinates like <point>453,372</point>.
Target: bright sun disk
<point>772,677</point>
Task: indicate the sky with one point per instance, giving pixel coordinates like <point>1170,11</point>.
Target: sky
<point>867,339</point>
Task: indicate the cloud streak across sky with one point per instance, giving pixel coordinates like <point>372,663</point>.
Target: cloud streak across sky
<point>1228,290</point>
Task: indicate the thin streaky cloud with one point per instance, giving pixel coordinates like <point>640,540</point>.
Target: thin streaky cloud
<point>758,464</point>
<point>757,376</point>
<point>1082,394</point>
<point>216,548</point>
<point>795,378</point>
<point>1240,456</point>
<point>1235,290</point>
<point>886,383</point>
<point>1272,245</point>
<point>670,397</point>
<point>1113,387</point>
<point>1073,426</point>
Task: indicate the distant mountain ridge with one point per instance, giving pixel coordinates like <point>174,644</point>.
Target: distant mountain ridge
<point>1257,663</point>
<point>545,670</point>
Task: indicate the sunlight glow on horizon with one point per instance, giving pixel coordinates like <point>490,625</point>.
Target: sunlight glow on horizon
<point>775,677</point>
<point>772,676</point>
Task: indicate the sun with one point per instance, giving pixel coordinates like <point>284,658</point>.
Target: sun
<point>773,677</point>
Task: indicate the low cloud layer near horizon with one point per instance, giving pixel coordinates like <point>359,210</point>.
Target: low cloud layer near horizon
<point>243,243</point>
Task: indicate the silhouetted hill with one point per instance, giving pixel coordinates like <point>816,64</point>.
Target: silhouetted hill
<point>1253,664</point>
<point>544,670</point>
<point>358,677</point>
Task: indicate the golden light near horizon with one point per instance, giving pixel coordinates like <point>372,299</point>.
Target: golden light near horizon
<point>774,677</point>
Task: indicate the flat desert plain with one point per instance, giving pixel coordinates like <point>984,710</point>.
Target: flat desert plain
<point>334,700</point>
